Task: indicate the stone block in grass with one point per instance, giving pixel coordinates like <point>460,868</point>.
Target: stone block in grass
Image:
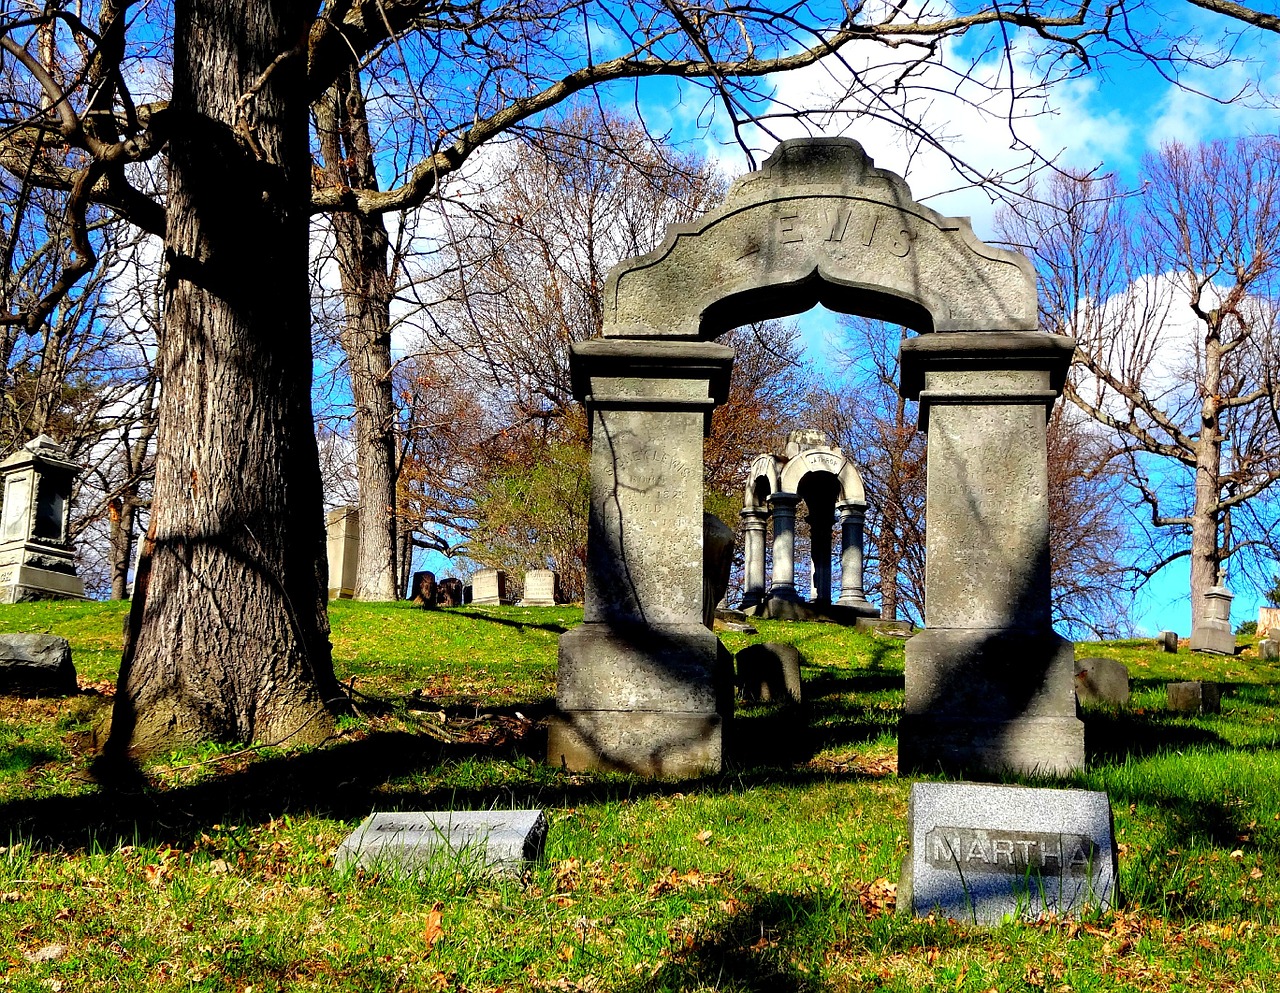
<point>983,853</point>
<point>412,843</point>
<point>36,665</point>
<point>769,673</point>
<point>1168,641</point>
<point>1102,681</point>
<point>1194,697</point>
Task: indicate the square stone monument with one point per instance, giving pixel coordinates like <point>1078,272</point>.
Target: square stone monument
<point>981,853</point>
<point>1212,630</point>
<point>37,561</point>
<point>489,587</point>
<point>342,531</point>
<point>540,587</point>
<point>989,685</point>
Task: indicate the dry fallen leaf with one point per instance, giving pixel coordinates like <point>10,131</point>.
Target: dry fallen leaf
<point>704,837</point>
<point>1255,873</point>
<point>1237,854</point>
<point>434,929</point>
<point>47,953</point>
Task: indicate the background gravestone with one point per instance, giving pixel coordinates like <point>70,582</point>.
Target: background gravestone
<point>1193,697</point>
<point>770,673</point>
<point>489,587</point>
<point>1211,631</point>
<point>342,542</point>
<point>1168,642</point>
<point>1102,681</point>
<point>981,853</point>
<point>37,561</point>
<point>540,587</point>
<point>36,665</point>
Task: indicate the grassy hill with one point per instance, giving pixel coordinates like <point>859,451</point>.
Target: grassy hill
<point>216,874</point>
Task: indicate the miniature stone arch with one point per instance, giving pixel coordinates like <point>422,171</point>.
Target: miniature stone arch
<point>830,485</point>
<point>642,685</point>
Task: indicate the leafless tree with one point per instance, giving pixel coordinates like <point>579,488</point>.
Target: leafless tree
<point>1171,294</point>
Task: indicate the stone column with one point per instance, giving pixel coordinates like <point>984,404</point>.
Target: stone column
<point>754,524</point>
<point>782,507</point>
<point>852,518</point>
<point>989,685</point>
<point>820,553</point>
<point>642,685</point>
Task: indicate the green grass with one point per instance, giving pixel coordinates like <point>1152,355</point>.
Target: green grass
<point>217,875</point>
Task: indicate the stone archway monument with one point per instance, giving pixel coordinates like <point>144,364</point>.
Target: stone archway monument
<point>642,684</point>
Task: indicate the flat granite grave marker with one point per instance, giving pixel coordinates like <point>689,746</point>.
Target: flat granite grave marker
<point>983,853</point>
<point>405,843</point>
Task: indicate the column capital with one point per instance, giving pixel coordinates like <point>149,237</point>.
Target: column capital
<point>851,508</point>
<point>754,517</point>
<point>784,501</point>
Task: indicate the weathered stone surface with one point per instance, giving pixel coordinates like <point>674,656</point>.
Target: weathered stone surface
<point>449,592</point>
<point>426,592</point>
<point>770,673</point>
<point>37,561</point>
<point>540,588</point>
<point>1268,618</point>
<point>1268,650</point>
<point>1168,642</point>
<point>489,587</point>
<point>1102,681</point>
<point>1193,697</point>
<point>986,702</point>
<point>989,686</point>
<point>1212,632</point>
<point>983,853</point>
<point>819,205</point>
<point>404,844</point>
<point>342,542</point>
<point>717,562</point>
<point>36,665</point>
<point>887,628</point>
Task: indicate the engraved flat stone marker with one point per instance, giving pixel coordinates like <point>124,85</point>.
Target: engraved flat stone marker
<point>404,843</point>
<point>982,853</point>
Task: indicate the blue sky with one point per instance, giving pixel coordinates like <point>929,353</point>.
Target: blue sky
<point>1106,120</point>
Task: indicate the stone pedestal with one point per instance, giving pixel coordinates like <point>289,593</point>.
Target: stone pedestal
<point>342,534</point>
<point>1212,630</point>
<point>989,685</point>
<point>37,561</point>
<point>642,685</point>
<point>754,525</point>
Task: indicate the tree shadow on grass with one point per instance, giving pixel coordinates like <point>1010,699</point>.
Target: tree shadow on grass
<point>1115,735</point>
<point>473,614</point>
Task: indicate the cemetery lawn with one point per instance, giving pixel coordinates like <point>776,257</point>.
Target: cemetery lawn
<point>217,872</point>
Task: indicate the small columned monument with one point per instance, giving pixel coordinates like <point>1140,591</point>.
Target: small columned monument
<point>642,684</point>
<point>37,561</point>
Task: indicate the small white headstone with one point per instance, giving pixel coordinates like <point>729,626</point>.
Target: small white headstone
<point>539,588</point>
<point>982,853</point>
<point>498,841</point>
<point>489,586</point>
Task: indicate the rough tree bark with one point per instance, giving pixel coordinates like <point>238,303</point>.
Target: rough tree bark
<point>361,249</point>
<point>228,634</point>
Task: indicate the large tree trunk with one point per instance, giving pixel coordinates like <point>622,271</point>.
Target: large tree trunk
<point>123,511</point>
<point>228,635</point>
<point>361,248</point>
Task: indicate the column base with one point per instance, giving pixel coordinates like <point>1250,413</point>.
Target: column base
<point>859,605</point>
<point>1034,746</point>
<point>988,702</point>
<point>647,743</point>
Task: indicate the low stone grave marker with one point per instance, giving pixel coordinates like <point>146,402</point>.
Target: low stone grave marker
<point>1168,641</point>
<point>1194,697</point>
<point>1212,631</point>
<point>489,586</point>
<point>539,588</point>
<point>1103,681</point>
<point>504,842</point>
<point>36,665</point>
<point>1269,650</point>
<point>769,673</point>
<point>982,853</point>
